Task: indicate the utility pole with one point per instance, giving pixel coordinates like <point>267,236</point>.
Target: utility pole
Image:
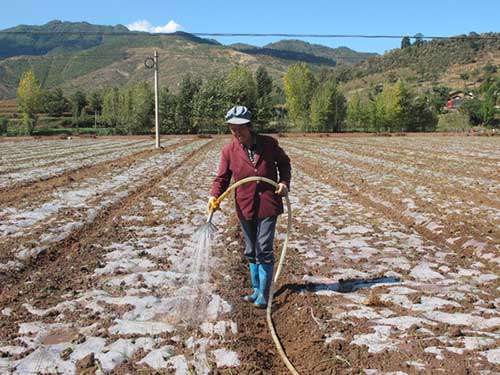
<point>150,63</point>
<point>157,116</point>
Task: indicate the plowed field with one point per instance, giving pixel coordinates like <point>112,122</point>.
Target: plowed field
<point>393,263</point>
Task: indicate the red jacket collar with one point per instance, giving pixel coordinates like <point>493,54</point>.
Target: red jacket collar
<point>243,154</point>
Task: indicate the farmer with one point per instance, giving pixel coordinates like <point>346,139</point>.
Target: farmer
<point>258,204</point>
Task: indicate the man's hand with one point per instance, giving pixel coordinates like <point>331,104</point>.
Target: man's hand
<point>213,205</point>
<point>282,189</point>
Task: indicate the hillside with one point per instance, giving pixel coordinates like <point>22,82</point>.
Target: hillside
<point>434,57</point>
<point>80,55</point>
<point>53,37</point>
<point>340,54</point>
<point>298,50</point>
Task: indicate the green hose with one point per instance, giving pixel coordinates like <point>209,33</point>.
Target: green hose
<point>270,323</point>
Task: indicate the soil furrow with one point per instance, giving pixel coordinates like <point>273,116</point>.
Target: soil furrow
<point>73,237</point>
<point>423,162</point>
<point>421,176</point>
<point>365,289</point>
<point>37,190</point>
<point>139,223</point>
<point>70,156</point>
<point>420,147</point>
<point>357,187</point>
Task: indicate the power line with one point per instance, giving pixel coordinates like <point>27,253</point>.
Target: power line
<point>361,36</point>
<point>84,56</point>
<point>282,35</point>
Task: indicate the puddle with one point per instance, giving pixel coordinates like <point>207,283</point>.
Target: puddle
<point>342,286</point>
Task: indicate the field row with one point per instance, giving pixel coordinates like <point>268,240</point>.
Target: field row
<point>28,228</point>
<point>63,159</point>
<point>390,267</point>
<point>458,218</point>
<point>381,285</point>
<point>141,299</point>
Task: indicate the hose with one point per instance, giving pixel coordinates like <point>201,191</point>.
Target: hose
<point>269,319</point>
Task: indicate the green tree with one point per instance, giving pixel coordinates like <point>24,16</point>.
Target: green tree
<point>464,76</point>
<point>124,113</point>
<point>344,73</point>
<point>111,106</point>
<point>328,108</point>
<point>3,125</point>
<point>210,105</point>
<point>167,104</point>
<point>405,42</point>
<point>95,104</point>
<point>189,86</point>
<point>420,117</point>
<point>489,69</point>
<point>264,83</point>
<point>388,108</point>
<point>142,108</point>
<point>357,113</point>
<point>438,98</point>
<point>472,108</point>
<point>299,85</point>
<point>487,108</point>
<point>78,101</point>
<point>419,40</point>
<point>53,102</point>
<point>29,100</point>
<point>241,88</point>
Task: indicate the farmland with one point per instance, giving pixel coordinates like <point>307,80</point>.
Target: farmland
<point>392,266</point>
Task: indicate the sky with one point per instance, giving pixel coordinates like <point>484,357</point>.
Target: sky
<point>368,17</point>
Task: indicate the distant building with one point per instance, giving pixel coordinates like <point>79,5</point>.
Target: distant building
<point>456,98</point>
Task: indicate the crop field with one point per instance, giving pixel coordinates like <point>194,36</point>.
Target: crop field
<point>393,263</point>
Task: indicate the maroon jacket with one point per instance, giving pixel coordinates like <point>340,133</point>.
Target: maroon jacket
<point>254,199</point>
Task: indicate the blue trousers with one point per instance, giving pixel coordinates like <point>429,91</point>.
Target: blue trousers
<point>259,237</point>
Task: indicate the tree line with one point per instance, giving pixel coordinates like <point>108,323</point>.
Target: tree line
<point>307,102</point>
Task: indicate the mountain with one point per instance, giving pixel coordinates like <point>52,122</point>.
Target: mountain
<point>298,50</point>
<point>340,54</point>
<point>81,55</point>
<point>55,36</point>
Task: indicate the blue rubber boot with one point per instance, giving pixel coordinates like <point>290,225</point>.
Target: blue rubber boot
<point>265,280</point>
<point>254,275</point>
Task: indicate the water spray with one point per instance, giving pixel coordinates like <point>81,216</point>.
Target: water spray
<point>210,228</point>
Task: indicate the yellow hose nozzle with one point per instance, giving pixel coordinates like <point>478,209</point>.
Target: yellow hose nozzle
<point>214,205</point>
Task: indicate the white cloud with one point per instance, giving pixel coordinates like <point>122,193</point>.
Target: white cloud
<point>141,25</point>
<point>144,25</point>
<point>170,27</point>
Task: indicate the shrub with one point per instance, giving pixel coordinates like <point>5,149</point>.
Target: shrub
<point>51,131</point>
<point>453,122</point>
<point>3,125</point>
<point>83,121</point>
<point>105,131</point>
